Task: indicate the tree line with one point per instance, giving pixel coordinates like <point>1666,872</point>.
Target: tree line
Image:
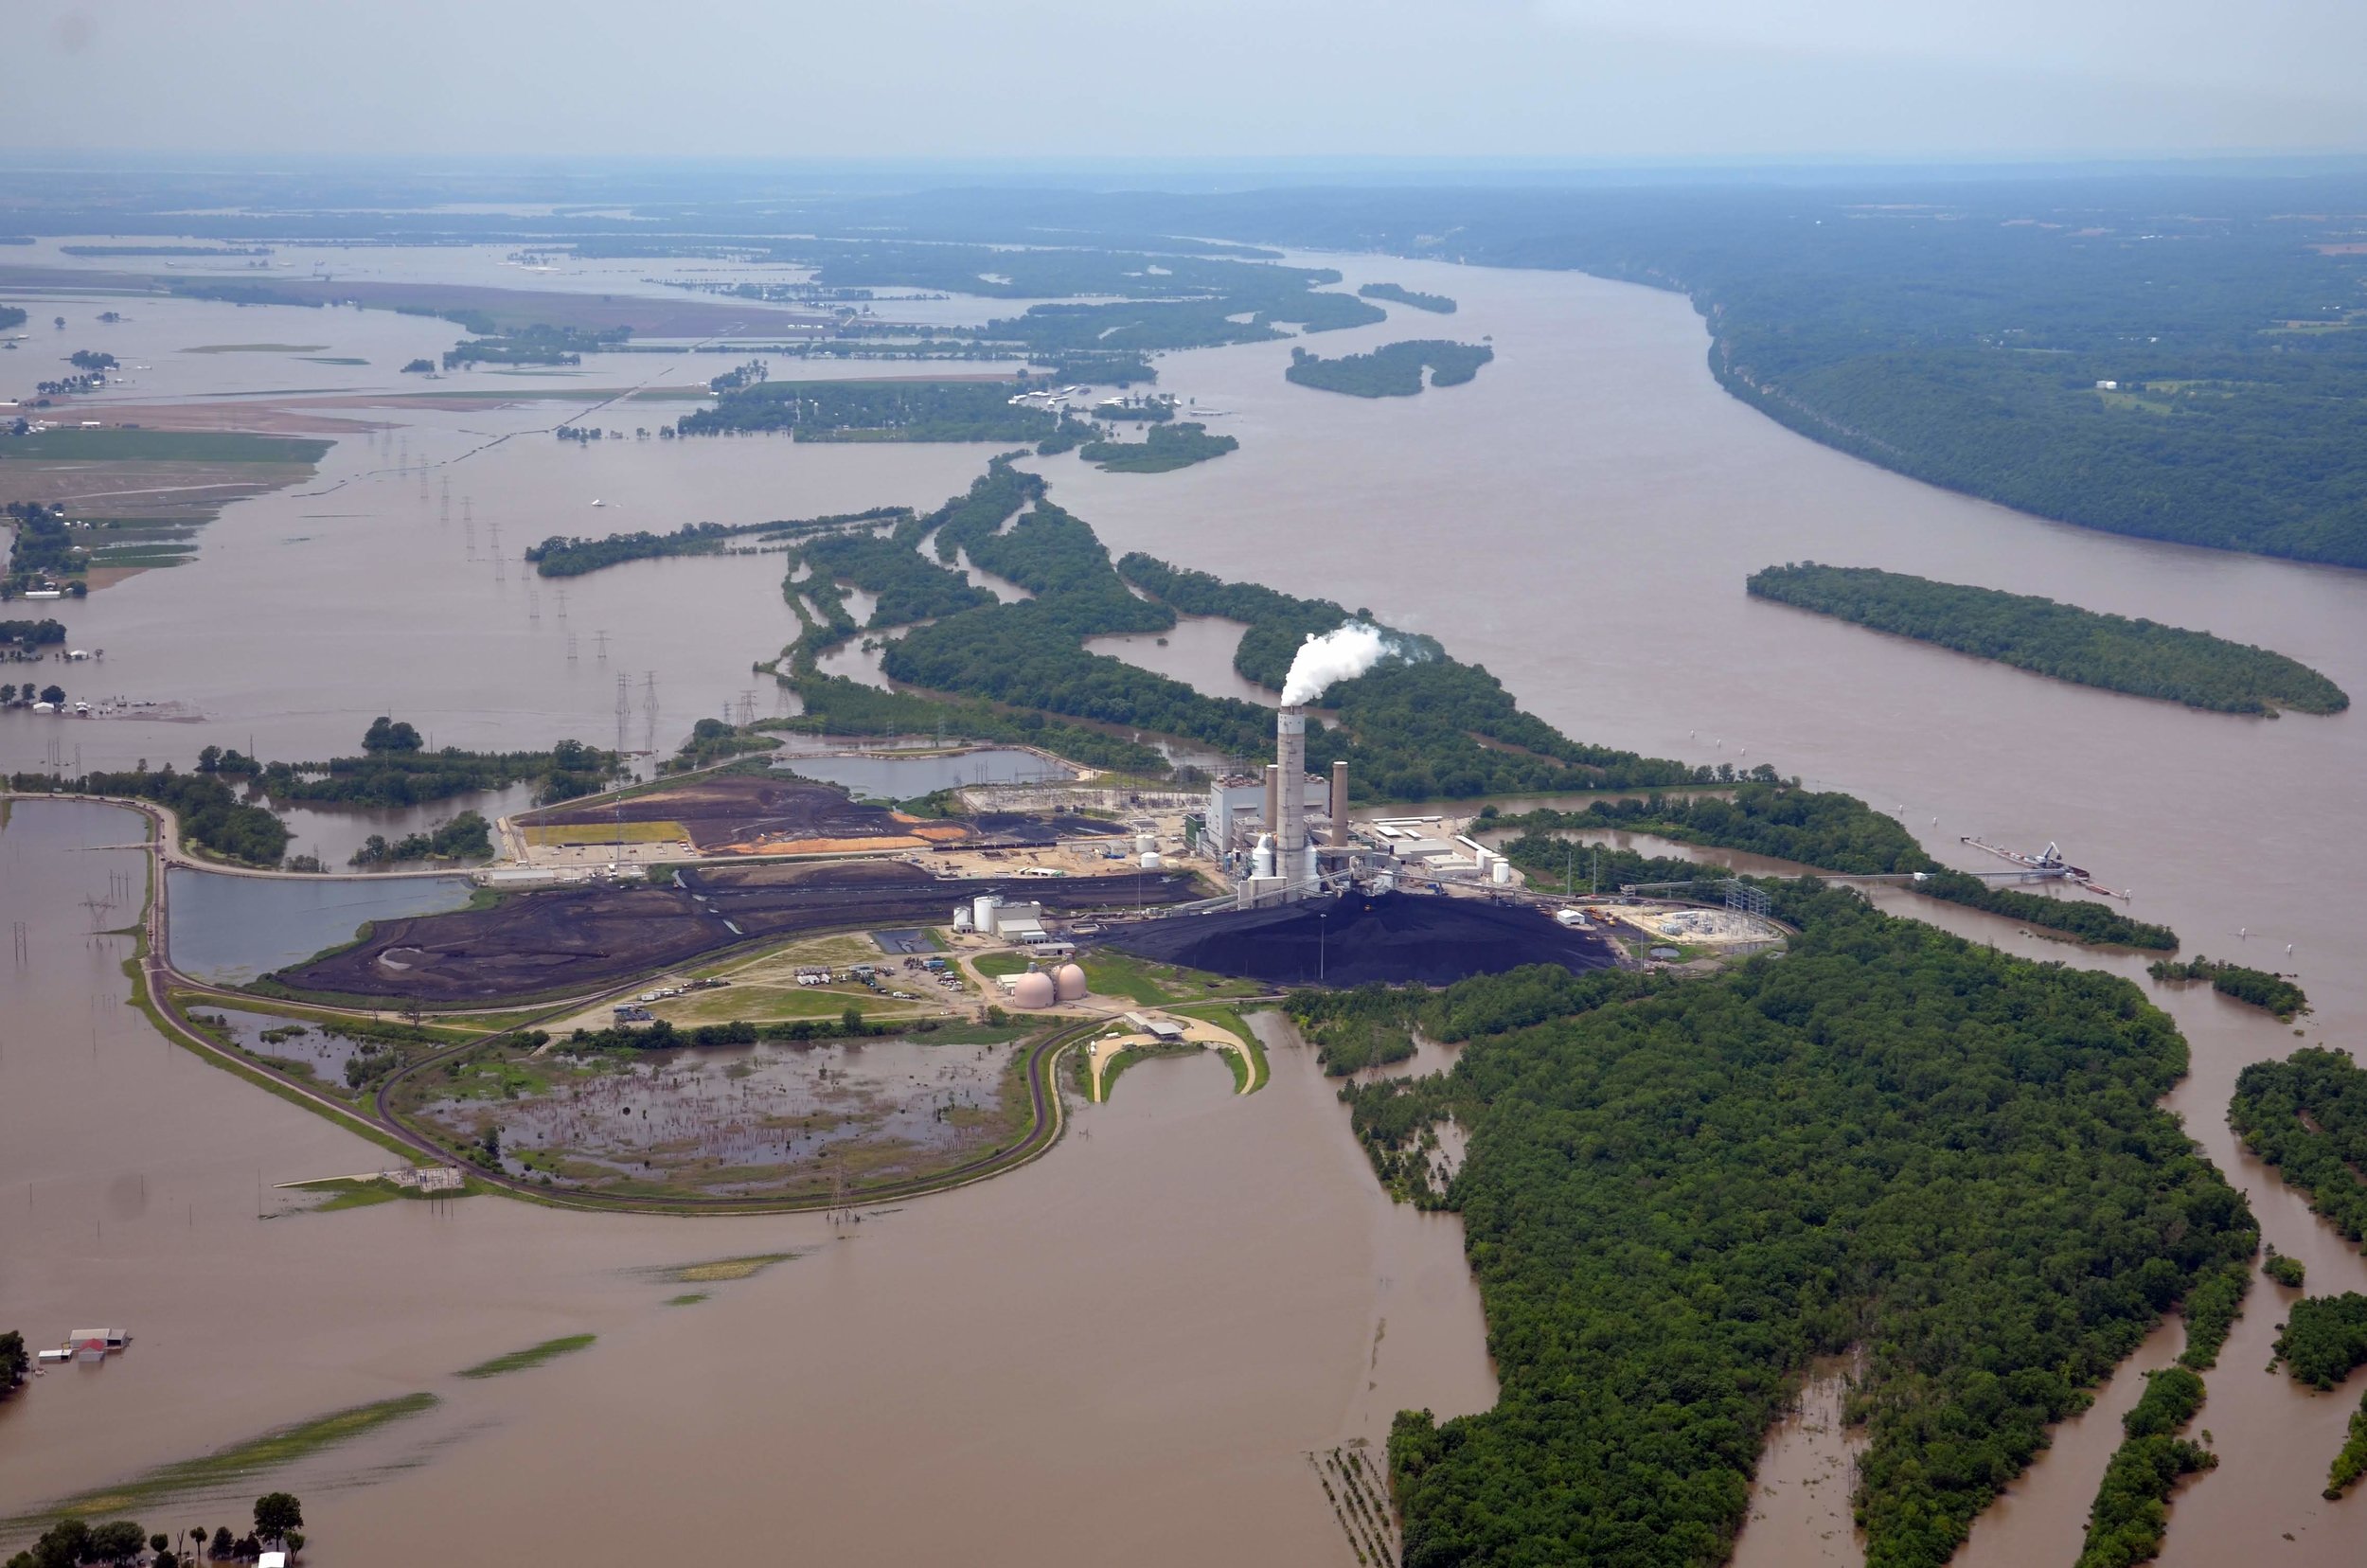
<point>567,554</point>
<point>2140,657</point>
<point>2084,919</point>
<point>1399,293</point>
<point>122,1542</point>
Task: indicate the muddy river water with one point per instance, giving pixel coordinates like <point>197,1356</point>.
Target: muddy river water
<point>1119,1353</point>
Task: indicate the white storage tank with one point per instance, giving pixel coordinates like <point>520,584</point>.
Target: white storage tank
<point>1261,859</point>
<point>1145,843</point>
<point>1150,860</point>
<point>1501,872</point>
<point>981,910</point>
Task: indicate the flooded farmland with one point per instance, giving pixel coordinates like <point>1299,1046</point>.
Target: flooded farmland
<point>1158,1321</point>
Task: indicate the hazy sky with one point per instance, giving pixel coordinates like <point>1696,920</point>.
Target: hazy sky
<point>905,78</point>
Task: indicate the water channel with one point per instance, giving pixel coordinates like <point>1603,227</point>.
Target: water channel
<point>1153,1322</point>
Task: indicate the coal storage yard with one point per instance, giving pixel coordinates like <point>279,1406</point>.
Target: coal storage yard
<point>565,940</point>
<point>1360,938</point>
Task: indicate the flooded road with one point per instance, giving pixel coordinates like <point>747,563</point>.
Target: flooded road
<point>1148,1323</point>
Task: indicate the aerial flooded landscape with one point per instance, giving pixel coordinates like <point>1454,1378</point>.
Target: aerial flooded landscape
<point>1572,844</point>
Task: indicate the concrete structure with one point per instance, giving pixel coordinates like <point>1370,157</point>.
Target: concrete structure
<point>1068,982</point>
<point>1034,989</point>
<point>1290,759</point>
<point>1340,805</point>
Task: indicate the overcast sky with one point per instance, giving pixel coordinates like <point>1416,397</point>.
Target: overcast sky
<point>1035,79</point>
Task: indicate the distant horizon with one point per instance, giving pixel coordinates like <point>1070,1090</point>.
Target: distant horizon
<point>1152,173</point>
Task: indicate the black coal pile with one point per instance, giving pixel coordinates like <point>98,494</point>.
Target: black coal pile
<point>1359,938</point>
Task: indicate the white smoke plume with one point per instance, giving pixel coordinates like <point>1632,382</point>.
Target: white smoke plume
<point>1341,654</point>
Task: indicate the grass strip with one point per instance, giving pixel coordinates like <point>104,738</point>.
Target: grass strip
<point>723,1269</point>
<point>272,1451</point>
<point>533,1354</point>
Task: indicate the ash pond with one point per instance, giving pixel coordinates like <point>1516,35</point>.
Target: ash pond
<point>770,1120</point>
<point>229,929</point>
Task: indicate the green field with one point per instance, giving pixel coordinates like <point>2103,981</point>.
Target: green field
<point>121,445</point>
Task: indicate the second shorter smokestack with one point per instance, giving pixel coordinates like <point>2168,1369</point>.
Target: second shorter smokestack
<point>1274,801</point>
<point>1338,805</point>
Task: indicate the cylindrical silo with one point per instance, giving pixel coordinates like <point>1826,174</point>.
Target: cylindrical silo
<point>1500,873</point>
<point>1151,861</point>
<point>1145,843</point>
<point>982,911</point>
<point>1261,858</point>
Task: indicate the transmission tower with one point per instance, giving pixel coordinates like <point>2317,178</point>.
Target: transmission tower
<point>571,648</point>
<point>624,703</point>
<point>599,642</point>
<point>648,710</point>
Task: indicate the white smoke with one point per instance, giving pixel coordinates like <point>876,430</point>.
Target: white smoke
<point>1337,656</point>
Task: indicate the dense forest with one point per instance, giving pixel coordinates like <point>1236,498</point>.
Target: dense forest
<point>1393,371</point>
<point>566,555</point>
<point>1165,446</point>
<point>2140,657</point>
<point>2325,1339</point>
<point>2083,920</point>
<point>2273,992</point>
<point>909,586</point>
<point>2308,1116</point>
<point>1890,1140</point>
<point>1397,293</point>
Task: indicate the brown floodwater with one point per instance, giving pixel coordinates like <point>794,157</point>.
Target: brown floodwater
<point>1122,1350</point>
<point>1135,1333</point>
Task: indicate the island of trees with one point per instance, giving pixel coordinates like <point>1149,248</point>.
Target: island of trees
<point>883,411</point>
<point>1166,447</point>
<point>568,555</point>
<point>2273,992</point>
<point>20,638</point>
<point>2142,657</point>
<point>1400,294</point>
<point>1393,371</point>
<point>1822,1208</point>
<point>2308,1116</point>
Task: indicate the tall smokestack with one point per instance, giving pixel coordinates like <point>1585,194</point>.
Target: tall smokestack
<point>1291,757</point>
<point>1273,802</point>
<point>1338,805</point>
